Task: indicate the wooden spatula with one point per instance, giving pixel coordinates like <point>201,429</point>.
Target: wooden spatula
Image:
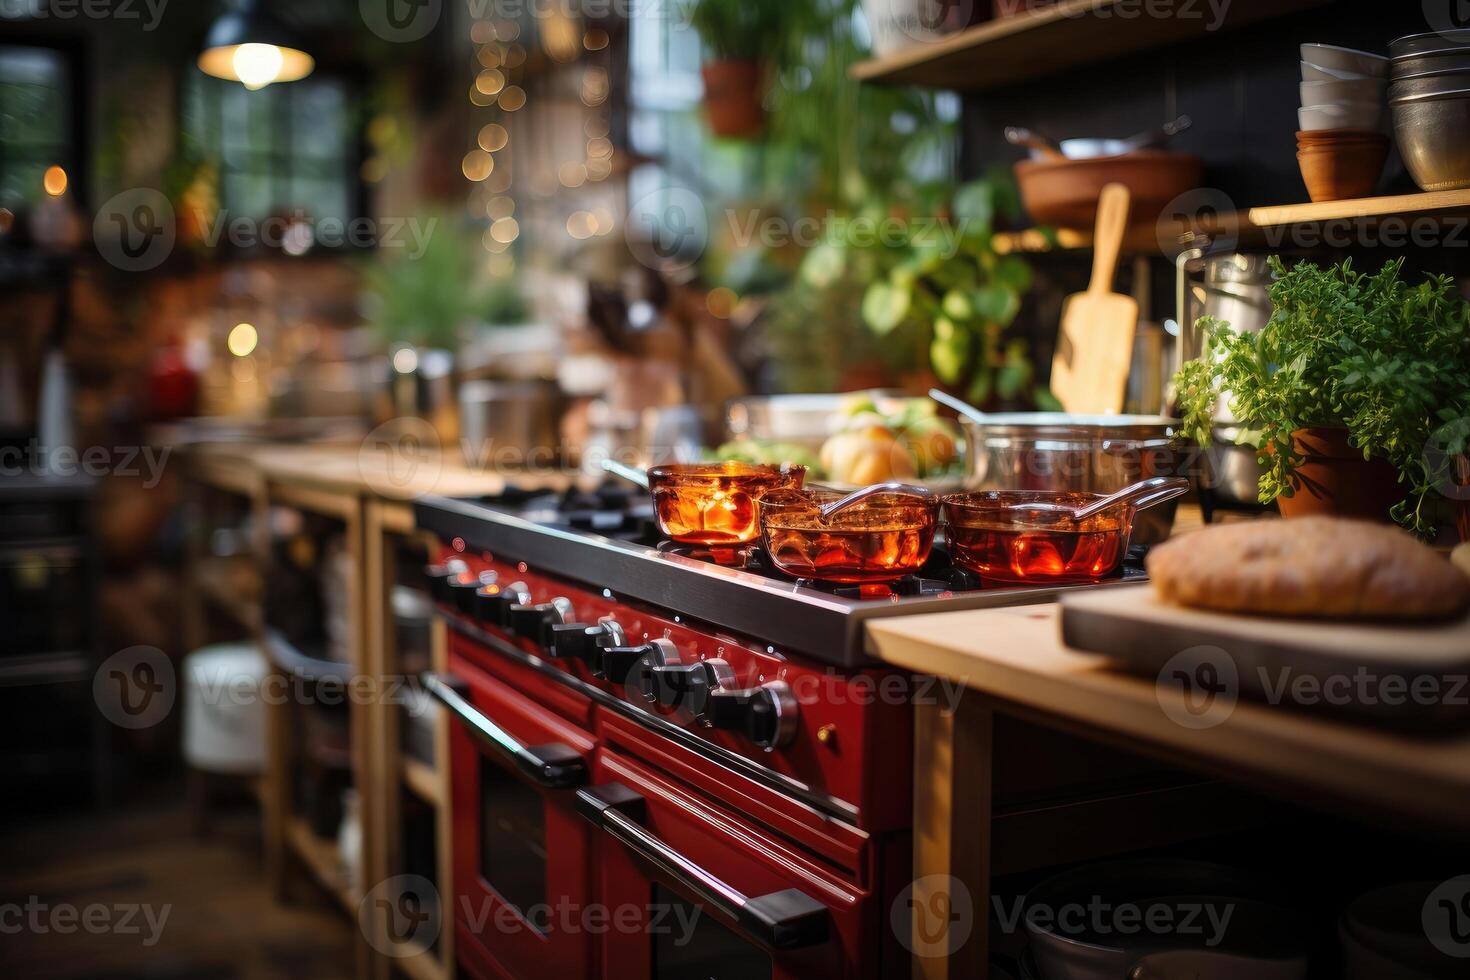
<point>1089,373</point>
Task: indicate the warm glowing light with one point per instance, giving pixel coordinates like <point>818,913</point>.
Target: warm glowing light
<point>572,174</point>
<point>512,98</point>
<point>477,165</point>
<point>493,137</point>
<point>482,32</point>
<point>603,221</point>
<point>500,207</point>
<point>515,56</point>
<point>405,360</point>
<point>580,225</point>
<point>489,55</point>
<point>595,126</point>
<point>505,230</point>
<point>721,301</point>
<point>54,181</point>
<point>594,86</point>
<point>595,39</point>
<point>507,30</point>
<point>490,81</point>
<point>257,65</point>
<point>480,98</point>
<point>491,245</point>
<point>242,339</point>
<point>599,169</point>
<point>599,148</point>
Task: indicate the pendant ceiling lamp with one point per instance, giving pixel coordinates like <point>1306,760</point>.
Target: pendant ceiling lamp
<point>247,45</point>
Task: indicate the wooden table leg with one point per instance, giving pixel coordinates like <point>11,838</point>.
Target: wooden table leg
<point>952,809</point>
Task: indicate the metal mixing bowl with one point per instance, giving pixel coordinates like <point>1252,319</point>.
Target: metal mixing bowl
<point>1434,138</point>
<point>1420,44</point>
<point>1444,63</point>
<point>1429,86</point>
<point>1087,453</point>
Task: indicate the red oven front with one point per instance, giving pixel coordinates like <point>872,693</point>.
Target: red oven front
<point>522,854</point>
<point>694,890</point>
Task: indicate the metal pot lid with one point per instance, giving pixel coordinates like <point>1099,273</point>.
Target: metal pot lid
<point>1050,422</point>
<point>1239,267</point>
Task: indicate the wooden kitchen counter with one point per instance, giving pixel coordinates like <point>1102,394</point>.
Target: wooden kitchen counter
<point>1015,656</point>
<point>1014,665</point>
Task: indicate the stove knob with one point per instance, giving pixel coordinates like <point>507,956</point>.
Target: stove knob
<point>534,623</point>
<point>766,714</point>
<point>616,664</point>
<point>687,686</point>
<point>493,602</point>
<point>464,587</point>
<point>441,575</point>
<point>582,641</point>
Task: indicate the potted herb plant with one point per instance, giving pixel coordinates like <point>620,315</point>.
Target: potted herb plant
<point>944,282</point>
<point>1357,391</point>
<point>745,40</point>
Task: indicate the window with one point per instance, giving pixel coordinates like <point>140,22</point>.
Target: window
<point>35,120</point>
<point>280,149</point>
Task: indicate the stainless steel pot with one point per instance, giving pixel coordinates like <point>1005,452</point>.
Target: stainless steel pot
<point>1088,453</point>
<point>510,423</point>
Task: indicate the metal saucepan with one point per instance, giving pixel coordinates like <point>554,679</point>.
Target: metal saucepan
<point>1154,919</point>
<point>1080,453</point>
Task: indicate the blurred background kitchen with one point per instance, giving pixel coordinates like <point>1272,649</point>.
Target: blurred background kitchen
<point>505,237</point>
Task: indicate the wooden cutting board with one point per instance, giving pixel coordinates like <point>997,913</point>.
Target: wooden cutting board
<point>1089,372</point>
<point>1294,663</point>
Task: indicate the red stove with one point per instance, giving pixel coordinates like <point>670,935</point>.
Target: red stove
<point>669,762</point>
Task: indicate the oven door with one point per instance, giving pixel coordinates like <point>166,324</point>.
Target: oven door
<point>521,854</point>
<point>691,889</point>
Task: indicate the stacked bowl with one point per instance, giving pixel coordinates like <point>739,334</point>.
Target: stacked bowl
<point>1430,100</point>
<point>1341,146</point>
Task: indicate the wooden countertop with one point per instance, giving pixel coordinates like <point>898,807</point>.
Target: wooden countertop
<point>367,468</point>
<point>1015,656</point>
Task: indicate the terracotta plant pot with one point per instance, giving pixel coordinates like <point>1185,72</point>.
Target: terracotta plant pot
<point>1340,165</point>
<point>1335,479</point>
<point>733,91</point>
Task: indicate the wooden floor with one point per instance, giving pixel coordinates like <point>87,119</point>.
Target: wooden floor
<point>221,923</point>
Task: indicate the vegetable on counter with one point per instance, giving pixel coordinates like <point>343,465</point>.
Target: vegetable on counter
<point>901,439</point>
<point>872,447</point>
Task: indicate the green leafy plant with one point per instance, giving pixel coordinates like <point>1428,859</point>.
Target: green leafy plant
<point>745,30</point>
<point>1387,361</point>
<point>944,281</point>
<point>425,298</point>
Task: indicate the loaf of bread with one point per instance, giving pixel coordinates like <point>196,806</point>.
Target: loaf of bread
<point>1310,566</point>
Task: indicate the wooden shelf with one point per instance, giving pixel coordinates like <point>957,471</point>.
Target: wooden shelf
<point>1137,240</point>
<point>1067,35</point>
<point>1442,202</point>
<point>423,780</point>
<point>321,859</point>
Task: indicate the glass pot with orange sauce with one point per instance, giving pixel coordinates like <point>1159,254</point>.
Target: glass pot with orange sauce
<point>996,535</point>
<point>715,503</point>
<point>883,538</point>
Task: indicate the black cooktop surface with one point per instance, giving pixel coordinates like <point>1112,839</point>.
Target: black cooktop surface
<point>606,538</point>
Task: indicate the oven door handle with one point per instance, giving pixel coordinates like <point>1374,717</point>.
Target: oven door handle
<point>782,920</point>
<point>554,766</point>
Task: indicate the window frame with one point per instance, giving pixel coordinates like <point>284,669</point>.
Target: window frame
<point>77,149</point>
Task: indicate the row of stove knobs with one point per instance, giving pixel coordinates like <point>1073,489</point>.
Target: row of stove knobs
<point>705,689</point>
